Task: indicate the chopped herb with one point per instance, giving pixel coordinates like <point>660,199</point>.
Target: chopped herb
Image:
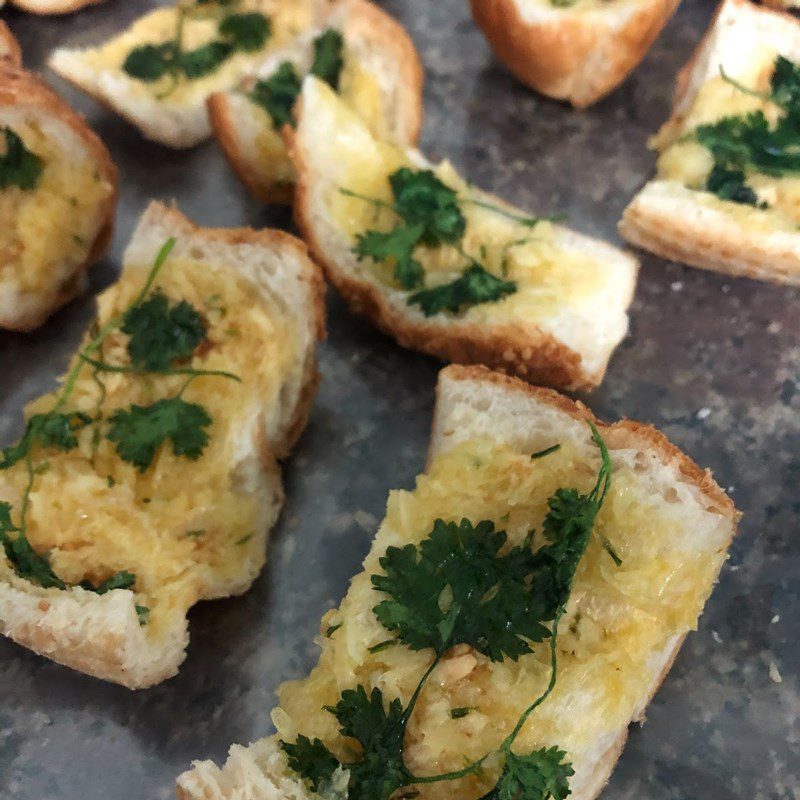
<point>150,62</point>
<point>245,539</point>
<point>475,286</point>
<point>312,760</point>
<point>143,614</point>
<point>247,32</point>
<point>328,58</point>
<point>397,244</point>
<point>729,183</point>
<point>195,534</point>
<point>18,165</point>
<point>120,580</point>
<point>139,431</point>
<point>278,94</point>
<point>546,452</point>
<point>377,648</point>
<point>460,713</point>
<point>111,481</point>
<point>205,59</point>
<point>540,775</point>
<point>332,629</point>
<point>51,430</point>
<point>162,333</point>
<point>26,561</point>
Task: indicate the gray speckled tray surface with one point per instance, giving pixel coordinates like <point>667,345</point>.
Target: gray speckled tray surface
<point>711,361</point>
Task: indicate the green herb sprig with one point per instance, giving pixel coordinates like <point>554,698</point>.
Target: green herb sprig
<point>278,93</point>
<point>498,601</point>
<point>18,165</point>
<point>162,336</point>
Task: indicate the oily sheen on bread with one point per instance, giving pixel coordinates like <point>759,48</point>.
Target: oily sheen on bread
<point>561,326</point>
<point>382,77</point>
<point>187,528</point>
<point>481,415</point>
<point>690,225</point>
<point>578,51</point>
<point>174,114</point>
<point>52,232</point>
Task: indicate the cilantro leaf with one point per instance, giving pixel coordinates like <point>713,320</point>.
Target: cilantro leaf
<point>380,771</point>
<point>142,614</point>
<point>52,429</point>
<point>311,760</point>
<point>729,183</point>
<point>120,580</point>
<point>420,198</point>
<point>247,31</point>
<point>160,333</point>
<point>475,286</point>
<point>278,94</point>
<point>785,83</point>
<point>205,59</point>
<point>27,563</point>
<point>541,775</point>
<point>328,58</point>
<point>150,62</point>
<point>397,244</point>
<point>456,588</point>
<point>18,165</point>
<point>139,431</point>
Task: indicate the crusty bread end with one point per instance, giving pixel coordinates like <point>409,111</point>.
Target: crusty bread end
<point>572,54</point>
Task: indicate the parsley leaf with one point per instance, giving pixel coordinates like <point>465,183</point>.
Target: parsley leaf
<point>420,198</point>
<point>456,588</point>
<point>18,165</point>
<point>785,83</point>
<point>160,333</point>
<point>541,775</point>
<point>26,561</point>
<point>248,31</point>
<point>311,760</point>
<point>397,244</point>
<point>120,580</point>
<point>278,94</point>
<point>475,286</point>
<point>729,183</point>
<point>139,431</point>
<point>150,62</point>
<point>53,429</point>
<point>328,58</point>
<point>205,59</point>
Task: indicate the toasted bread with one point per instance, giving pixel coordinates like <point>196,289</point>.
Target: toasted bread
<point>578,51</point>
<point>188,526</point>
<point>10,51</point>
<point>675,215</point>
<point>381,78</point>
<point>168,110</point>
<point>486,426</point>
<point>53,230</point>
<point>47,7</point>
<point>559,328</point>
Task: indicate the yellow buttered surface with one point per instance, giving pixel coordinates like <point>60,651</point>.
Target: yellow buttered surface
<point>619,621</point>
<point>182,526</point>
<point>46,232</point>
<point>200,26</point>
<point>550,277</point>
<point>688,162</point>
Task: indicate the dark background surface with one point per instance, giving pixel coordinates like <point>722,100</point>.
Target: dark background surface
<point>711,361</point>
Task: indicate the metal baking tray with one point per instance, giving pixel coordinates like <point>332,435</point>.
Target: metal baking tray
<point>711,361</point>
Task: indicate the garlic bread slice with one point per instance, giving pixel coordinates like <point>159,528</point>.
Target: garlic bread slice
<point>432,663</point>
<point>358,49</point>
<point>52,7</point>
<point>574,50</point>
<point>446,268</point>
<point>58,197</point>
<point>726,194</point>
<point>149,479</point>
<point>159,72</point>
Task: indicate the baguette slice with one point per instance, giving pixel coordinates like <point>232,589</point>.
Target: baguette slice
<point>559,328</point>
<point>669,521</point>
<point>52,233</point>
<point>187,529</point>
<point>577,53</point>
<point>688,224</point>
<point>47,7</point>
<point>381,79</point>
<point>175,116</point>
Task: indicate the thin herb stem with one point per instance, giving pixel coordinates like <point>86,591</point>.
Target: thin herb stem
<point>104,366</point>
<point>528,222</point>
<point>366,199</point>
<point>745,89</point>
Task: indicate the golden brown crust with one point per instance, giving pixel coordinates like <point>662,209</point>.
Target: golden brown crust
<point>528,353</point>
<point>570,56</point>
<point>45,7</point>
<point>618,434</point>
<point>10,51</point>
<point>22,89</point>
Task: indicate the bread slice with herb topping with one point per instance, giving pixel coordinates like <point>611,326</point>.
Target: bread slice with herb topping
<point>574,50</point>
<point>611,529</point>
<point>456,272</point>
<point>726,195</point>
<point>153,468</point>
<point>58,196</point>
<point>159,73</point>
<point>357,48</point>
